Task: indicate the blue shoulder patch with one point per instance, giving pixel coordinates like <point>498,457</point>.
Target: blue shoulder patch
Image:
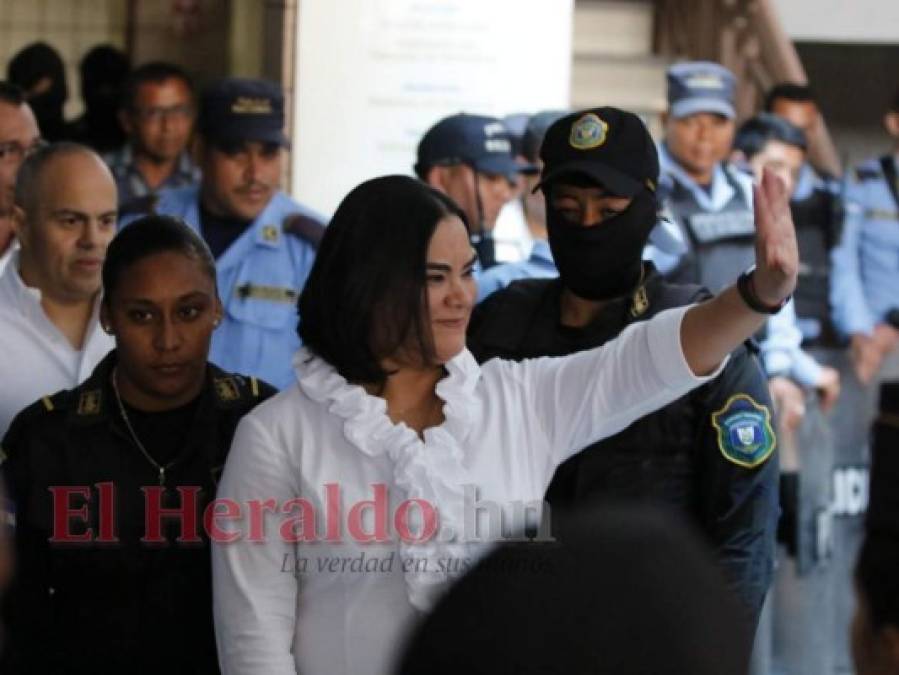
<point>745,435</point>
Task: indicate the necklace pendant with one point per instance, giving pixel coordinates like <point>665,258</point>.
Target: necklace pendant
<point>161,476</point>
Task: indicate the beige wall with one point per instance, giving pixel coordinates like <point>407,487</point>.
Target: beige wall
<point>242,38</point>
<point>200,44</point>
<point>72,27</point>
<point>224,37</point>
<point>612,60</point>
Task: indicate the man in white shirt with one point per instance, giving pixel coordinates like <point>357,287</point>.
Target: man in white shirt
<point>19,135</point>
<point>64,218</point>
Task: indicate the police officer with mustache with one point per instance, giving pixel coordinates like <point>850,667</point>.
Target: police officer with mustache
<point>711,455</point>
<point>264,242</point>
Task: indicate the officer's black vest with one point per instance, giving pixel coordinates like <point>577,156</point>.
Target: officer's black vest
<point>817,220</point>
<point>720,243</point>
<point>653,460</point>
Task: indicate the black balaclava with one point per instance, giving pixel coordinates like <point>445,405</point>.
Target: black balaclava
<point>602,261</point>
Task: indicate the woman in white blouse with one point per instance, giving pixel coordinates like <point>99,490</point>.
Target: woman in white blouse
<point>350,500</point>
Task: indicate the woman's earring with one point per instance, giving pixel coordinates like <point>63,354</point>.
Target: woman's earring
<point>216,321</point>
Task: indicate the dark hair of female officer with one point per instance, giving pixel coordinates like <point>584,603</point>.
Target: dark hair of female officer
<point>161,305</point>
<point>369,278</point>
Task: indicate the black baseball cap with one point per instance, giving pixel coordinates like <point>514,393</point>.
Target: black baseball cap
<point>238,109</point>
<point>608,145</point>
<point>483,143</point>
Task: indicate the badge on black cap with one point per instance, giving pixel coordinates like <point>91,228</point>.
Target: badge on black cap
<point>588,132</point>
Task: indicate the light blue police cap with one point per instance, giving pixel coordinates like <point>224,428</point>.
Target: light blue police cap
<point>700,86</point>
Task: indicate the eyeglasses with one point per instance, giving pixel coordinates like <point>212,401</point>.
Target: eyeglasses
<point>156,114</point>
<point>13,152</point>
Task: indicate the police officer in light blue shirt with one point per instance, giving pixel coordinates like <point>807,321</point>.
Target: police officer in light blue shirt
<point>865,290</point>
<point>264,241</point>
<point>770,142</point>
<point>469,158</point>
<point>816,206</point>
<point>539,263</point>
<point>708,199</point>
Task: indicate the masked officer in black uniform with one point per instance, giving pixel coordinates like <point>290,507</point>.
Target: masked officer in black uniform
<point>712,453</point>
<point>98,588</point>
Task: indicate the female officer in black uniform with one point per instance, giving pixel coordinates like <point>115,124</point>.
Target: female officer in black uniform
<point>106,581</point>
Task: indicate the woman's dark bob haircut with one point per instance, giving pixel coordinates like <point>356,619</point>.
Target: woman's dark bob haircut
<point>364,299</point>
<point>148,236</point>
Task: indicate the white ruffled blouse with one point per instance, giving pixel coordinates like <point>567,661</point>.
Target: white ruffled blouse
<point>342,599</point>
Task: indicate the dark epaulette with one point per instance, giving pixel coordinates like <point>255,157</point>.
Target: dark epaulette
<point>502,320</point>
<point>863,173</point>
<point>509,301</point>
<point>305,227</point>
<point>233,390</point>
<point>60,401</point>
<point>36,413</point>
<point>139,206</point>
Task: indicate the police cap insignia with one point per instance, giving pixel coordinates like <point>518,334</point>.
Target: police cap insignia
<point>588,131</point>
<point>245,105</point>
<point>706,81</point>
<point>226,389</point>
<point>89,402</point>
<point>745,435</point>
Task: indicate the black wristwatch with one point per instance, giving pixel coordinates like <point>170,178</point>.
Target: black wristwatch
<point>747,292</point>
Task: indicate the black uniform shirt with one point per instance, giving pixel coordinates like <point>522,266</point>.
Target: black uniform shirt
<point>711,453</point>
<point>123,606</point>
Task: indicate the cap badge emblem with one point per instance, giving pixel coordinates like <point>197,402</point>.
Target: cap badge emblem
<point>245,105</point>
<point>705,81</point>
<point>588,132</point>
